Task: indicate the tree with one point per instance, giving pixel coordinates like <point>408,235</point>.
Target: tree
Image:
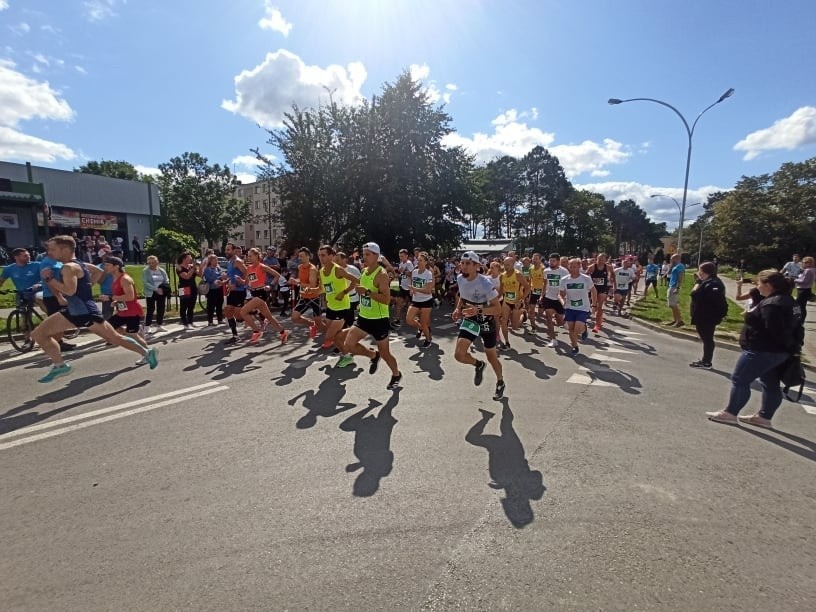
<point>197,198</point>
<point>167,245</point>
<point>114,169</point>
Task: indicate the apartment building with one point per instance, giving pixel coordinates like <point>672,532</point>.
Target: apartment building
<point>263,228</point>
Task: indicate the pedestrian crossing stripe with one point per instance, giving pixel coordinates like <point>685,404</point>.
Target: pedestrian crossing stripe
<point>610,349</point>
<point>446,326</point>
<point>585,379</point>
<point>608,359</point>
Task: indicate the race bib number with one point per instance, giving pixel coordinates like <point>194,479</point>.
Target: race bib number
<point>576,303</point>
<point>252,277</point>
<point>510,296</point>
<point>328,288</point>
<point>419,283</point>
<point>553,279</point>
<point>575,285</point>
<point>599,281</point>
<point>185,291</point>
<point>536,291</point>
<point>471,326</point>
<point>623,285</point>
<point>365,301</point>
<point>120,306</point>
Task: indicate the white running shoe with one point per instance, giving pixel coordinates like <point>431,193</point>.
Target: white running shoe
<point>553,343</point>
<point>142,361</point>
<point>159,330</point>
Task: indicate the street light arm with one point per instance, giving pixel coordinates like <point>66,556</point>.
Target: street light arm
<point>666,104</point>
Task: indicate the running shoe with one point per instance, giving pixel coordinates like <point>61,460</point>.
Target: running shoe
<point>419,334</point>
<point>141,361</point>
<point>700,364</point>
<point>755,419</point>
<point>374,362</point>
<point>499,390</point>
<point>596,330</point>
<point>721,416</point>
<point>313,330</point>
<point>396,323</point>
<point>679,324</point>
<point>152,358</point>
<point>284,336</point>
<point>327,344</point>
<point>574,351</point>
<point>345,360</point>
<point>160,329</point>
<point>479,375</point>
<point>55,372</point>
<point>394,383</point>
<point>584,334</point>
<point>426,344</point>
<point>553,343</point>
<point>256,335</point>
<point>232,340</point>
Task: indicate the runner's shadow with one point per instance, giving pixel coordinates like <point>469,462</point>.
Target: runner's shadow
<point>213,354</point>
<point>325,402</point>
<point>232,367</point>
<point>429,360</point>
<point>508,466</point>
<point>297,367</point>
<point>12,420</point>
<point>598,370</point>
<point>628,344</point>
<point>536,366</point>
<point>372,445</point>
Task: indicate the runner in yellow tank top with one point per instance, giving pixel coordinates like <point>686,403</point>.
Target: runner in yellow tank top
<point>536,289</point>
<point>337,285</point>
<point>513,287</point>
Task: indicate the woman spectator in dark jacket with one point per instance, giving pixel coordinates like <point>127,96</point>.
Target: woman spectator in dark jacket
<point>708,308</point>
<point>767,340</point>
<point>804,285</point>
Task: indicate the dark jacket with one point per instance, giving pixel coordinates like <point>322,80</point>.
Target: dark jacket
<point>769,327</point>
<point>708,302</point>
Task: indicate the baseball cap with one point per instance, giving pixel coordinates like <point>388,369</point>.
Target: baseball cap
<point>470,256</point>
<point>116,261</point>
<point>373,247</point>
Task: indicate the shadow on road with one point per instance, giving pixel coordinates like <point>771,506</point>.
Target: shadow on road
<point>372,445</point>
<point>508,466</point>
<point>532,363</point>
<point>16,418</point>
<point>597,370</point>
<point>806,448</point>
<point>325,402</point>
<point>429,361</point>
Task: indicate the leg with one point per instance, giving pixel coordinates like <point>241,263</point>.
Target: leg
<point>161,306</point>
<point>246,313</point>
<point>462,351</point>
<point>151,308</point>
<point>706,333</point>
<point>411,317</point>
<point>107,333</point>
<point>425,322</point>
<point>384,348</point>
<point>505,320</point>
<point>352,344</point>
<point>493,359</point>
<point>771,391</point>
<point>747,369</point>
<point>45,336</point>
<point>549,315</point>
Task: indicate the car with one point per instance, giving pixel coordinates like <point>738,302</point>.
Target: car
<point>222,262</point>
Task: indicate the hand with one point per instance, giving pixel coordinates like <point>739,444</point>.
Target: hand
<point>158,291</point>
<point>456,315</point>
<point>470,311</point>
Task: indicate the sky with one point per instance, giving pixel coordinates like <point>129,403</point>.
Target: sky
<point>147,80</point>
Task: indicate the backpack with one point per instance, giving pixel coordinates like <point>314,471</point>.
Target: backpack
<point>792,373</point>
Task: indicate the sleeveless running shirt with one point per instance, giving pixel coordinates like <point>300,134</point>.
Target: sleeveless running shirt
<point>369,308</point>
<point>537,279</point>
<point>332,286</point>
<point>233,273</point>
<point>600,278</point>
<point>510,284</point>
<point>131,308</point>
<point>305,278</point>
<point>82,302</point>
<point>256,277</point>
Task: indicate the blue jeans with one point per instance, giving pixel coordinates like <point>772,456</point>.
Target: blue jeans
<point>750,366</point>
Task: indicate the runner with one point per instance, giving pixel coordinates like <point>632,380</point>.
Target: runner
<point>404,268</point>
<point>337,287</point>
<point>514,287</point>
<point>236,289</point>
<point>552,303</point>
<point>127,310</point>
<point>81,311</point>
<point>537,280</point>
<point>375,296</point>
<point>652,270</point>
<point>602,274</point>
<point>422,289</point>
<point>308,282</point>
<point>342,260</point>
<point>578,292</point>
<point>256,277</point>
<point>52,303</point>
<point>623,283</point>
<point>477,307</point>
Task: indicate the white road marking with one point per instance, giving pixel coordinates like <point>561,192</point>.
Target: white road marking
<point>610,349</point>
<point>447,326</point>
<point>585,379</point>
<point>111,417</point>
<point>608,359</point>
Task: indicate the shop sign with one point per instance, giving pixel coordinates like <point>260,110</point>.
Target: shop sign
<point>98,222</point>
<point>9,221</point>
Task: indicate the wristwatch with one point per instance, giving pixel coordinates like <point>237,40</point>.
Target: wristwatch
<point>479,310</point>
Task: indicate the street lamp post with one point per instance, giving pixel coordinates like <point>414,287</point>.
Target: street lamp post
<point>690,133</point>
<point>680,209</point>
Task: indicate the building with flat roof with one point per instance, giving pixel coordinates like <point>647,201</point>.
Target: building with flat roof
<point>263,228</point>
<point>37,202</point>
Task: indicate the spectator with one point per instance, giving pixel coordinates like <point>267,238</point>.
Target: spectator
<point>136,248</point>
<point>118,246</point>
<point>804,285</point>
<point>709,307</point>
<point>792,268</point>
<point>676,275</point>
<point>212,274</point>
<point>156,285</point>
<point>753,295</point>
<point>767,340</point>
<point>187,290</point>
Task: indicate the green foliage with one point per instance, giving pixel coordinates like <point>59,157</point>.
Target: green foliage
<point>168,244</point>
<point>113,169</point>
<point>197,198</point>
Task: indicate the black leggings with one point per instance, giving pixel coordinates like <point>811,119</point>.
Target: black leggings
<point>186,309</point>
<point>155,303</point>
<point>802,297</point>
<point>706,333</point>
<point>215,305</point>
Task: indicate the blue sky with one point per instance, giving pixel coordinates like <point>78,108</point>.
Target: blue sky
<point>144,80</point>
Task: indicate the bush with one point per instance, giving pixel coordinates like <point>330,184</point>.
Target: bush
<point>167,245</point>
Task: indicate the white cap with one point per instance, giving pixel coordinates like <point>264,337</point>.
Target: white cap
<point>470,256</point>
<point>373,247</point>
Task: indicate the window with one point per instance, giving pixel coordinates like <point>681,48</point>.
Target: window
<point>257,189</point>
<point>257,206</point>
<point>258,234</point>
<point>266,233</point>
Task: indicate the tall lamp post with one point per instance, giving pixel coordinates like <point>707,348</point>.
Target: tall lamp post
<point>690,133</point>
<point>680,209</point>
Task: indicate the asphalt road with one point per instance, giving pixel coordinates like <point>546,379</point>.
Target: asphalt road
<point>260,478</point>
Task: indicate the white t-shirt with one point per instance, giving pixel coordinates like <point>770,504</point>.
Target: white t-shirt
<point>405,268</point>
<point>419,280</point>
<point>355,272</point>
<point>664,269</point>
<point>577,290</point>
<point>480,290</point>
<point>623,276</point>
<point>496,282</point>
<point>554,276</point>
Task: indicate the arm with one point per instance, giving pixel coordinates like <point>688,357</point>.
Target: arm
<point>383,292</point>
<point>314,282</point>
<point>524,285</point>
<point>68,286</point>
<point>593,294</point>
<point>271,272</point>
<point>129,291</point>
<point>492,309</point>
<point>186,274</point>
<point>352,280</point>
<point>147,282</point>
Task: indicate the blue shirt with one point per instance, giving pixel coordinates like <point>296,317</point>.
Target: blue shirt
<point>652,270</point>
<point>674,275</point>
<point>106,286</point>
<point>56,270</point>
<point>23,277</point>
<point>211,275</point>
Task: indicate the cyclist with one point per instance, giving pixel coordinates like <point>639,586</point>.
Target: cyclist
<point>24,273</point>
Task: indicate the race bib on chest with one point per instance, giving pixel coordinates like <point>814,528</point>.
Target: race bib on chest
<point>576,303</point>
<point>553,278</point>
<point>471,326</point>
<point>599,281</point>
<point>536,291</point>
<point>510,296</point>
<point>120,306</point>
<point>328,288</point>
<point>365,301</point>
<point>252,277</point>
<point>185,291</point>
<point>419,283</point>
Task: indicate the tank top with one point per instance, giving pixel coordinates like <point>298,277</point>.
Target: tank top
<point>537,279</point>
<point>233,273</point>
<point>256,277</point>
<point>333,285</point>
<point>82,302</point>
<point>305,278</point>
<point>600,278</point>
<point>369,308</point>
<point>131,308</point>
<point>510,284</point>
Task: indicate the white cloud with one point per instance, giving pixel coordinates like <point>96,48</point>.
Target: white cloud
<point>421,73</point>
<point>274,20</point>
<point>589,156</point>
<point>245,178</point>
<point>599,173</point>
<point>266,92</point>
<point>80,70</point>
<point>451,87</point>
<point>23,98</point>
<point>658,209</point>
<point>797,130</point>
<point>39,57</point>
<point>20,29</point>
<point>3,5</point>
<point>147,170</point>
<point>15,145</point>
<point>250,161</point>
<point>99,10</point>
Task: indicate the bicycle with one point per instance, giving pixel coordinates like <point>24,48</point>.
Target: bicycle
<point>24,318</point>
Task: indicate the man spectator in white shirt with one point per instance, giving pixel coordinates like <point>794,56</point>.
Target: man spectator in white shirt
<point>792,269</point>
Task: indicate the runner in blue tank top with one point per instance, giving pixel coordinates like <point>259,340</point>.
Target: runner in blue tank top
<point>81,311</point>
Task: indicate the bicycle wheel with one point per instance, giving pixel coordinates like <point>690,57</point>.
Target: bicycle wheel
<point>19,326</point>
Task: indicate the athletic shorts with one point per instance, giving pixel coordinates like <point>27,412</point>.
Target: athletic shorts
<point>405,294</point>
<point>673,299</point>
<point>534,298</point>
<point>487,332</point>
<point>513,306</point>
<point>83,320</point>
<point>132,324</point>
<point>260,293</point>
<point>236,298</point>
<point>376,328</point>
<point>622,292</point>
<point>51,304</point>
<point>550,304</point>
<point>304,304</point>
<point>425,304</point>
<point>346,316</point>
<point>579,316</point>
<point>651,281</point>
